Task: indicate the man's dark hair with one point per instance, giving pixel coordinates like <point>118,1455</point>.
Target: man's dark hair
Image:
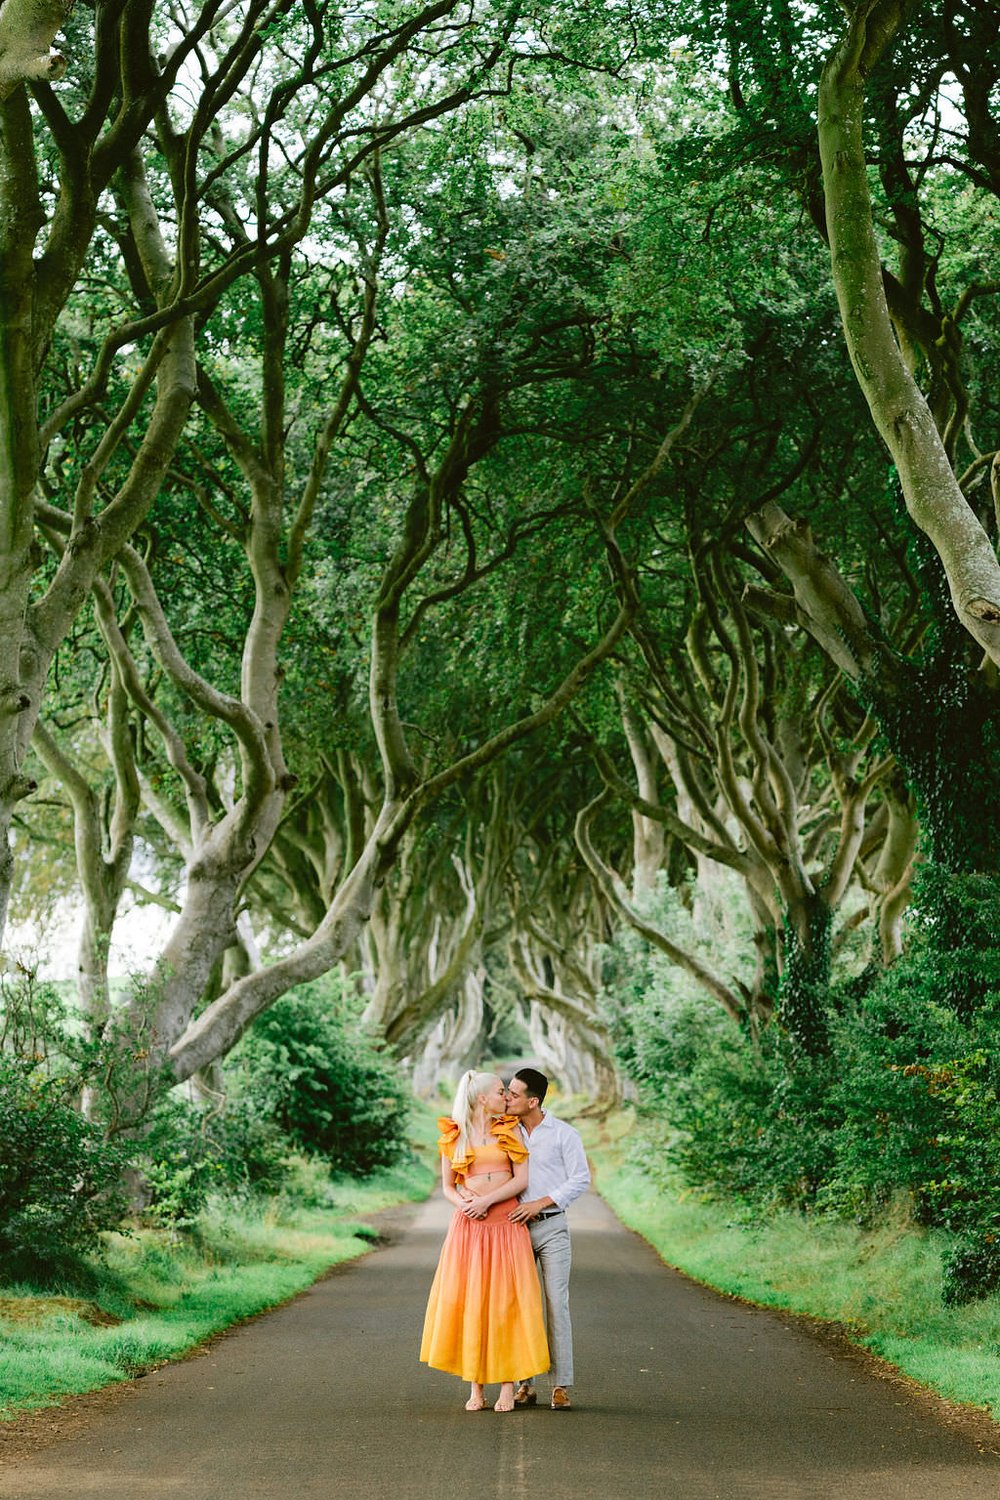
<point>536,1083</point>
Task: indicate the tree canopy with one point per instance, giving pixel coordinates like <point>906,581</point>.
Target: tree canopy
<point>485,484</point>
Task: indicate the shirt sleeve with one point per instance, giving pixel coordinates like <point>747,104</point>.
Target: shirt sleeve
<point>577,1172</point>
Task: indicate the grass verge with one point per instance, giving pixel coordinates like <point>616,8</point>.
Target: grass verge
<point>882,1285</point>
<point>154,1296</point>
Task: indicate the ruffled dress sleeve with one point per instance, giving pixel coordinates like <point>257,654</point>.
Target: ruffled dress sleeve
<point>447,1141</point>
<point>508,1138</point>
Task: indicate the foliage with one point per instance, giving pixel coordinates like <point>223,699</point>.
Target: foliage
<point>190,1152</point>
<point>310,1069</point>
<point>66,1176</point>
<point>59,1180</point>
<point>906,1101</point>
<point>739,1120</point>
<point>972,1269</point>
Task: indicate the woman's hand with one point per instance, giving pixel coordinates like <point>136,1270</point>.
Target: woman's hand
<point>475,1208</point>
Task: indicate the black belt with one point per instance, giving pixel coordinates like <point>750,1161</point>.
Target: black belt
<point>549,1213</point>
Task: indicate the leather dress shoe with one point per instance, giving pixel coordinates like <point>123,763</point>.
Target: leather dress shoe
<point>560,1400</point>
<point>525,1395</point>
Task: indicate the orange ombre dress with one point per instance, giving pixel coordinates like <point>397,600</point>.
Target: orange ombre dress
<point>484,1314</point>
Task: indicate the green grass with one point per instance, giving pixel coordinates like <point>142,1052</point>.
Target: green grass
<point>883,1284</point>
<point>152,1298</point>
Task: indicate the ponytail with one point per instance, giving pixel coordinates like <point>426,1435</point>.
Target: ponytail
<point>470,1086</point>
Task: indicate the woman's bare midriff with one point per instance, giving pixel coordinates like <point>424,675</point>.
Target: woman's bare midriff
<point>485,1182</point>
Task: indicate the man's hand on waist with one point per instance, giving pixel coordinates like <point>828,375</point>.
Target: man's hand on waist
<point>521,1213</point>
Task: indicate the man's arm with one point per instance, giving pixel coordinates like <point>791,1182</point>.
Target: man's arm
<point>577,1171</point>
<point>574,1160</point>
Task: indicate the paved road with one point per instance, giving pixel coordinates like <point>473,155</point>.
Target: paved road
<point>682,1395</point>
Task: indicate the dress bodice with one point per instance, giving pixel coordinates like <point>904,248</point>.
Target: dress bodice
<point>505,1147</point>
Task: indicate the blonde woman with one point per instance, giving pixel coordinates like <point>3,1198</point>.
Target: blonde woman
<point>484,1315</point>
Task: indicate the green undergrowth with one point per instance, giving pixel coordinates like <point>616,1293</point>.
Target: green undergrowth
<point>883,1283</point>
<point>153,1296</point>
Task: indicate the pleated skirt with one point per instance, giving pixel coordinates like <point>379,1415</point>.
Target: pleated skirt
<point>484,1317</point>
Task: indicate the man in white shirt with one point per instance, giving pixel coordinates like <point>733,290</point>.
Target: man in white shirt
<point>557,1173</point>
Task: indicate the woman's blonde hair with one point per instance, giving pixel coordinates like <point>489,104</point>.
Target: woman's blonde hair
<point>471,1086</point>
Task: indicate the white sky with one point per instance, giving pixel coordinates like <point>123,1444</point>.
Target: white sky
<point>139,933</point>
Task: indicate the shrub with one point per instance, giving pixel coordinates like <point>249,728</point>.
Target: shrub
<point>972,1269</point>
<point>59,1180</point>
<point>310,1068</point>
<point>718,1111</point>
<point>189,1152</point>
<point>737,1121</point>
<point>908,1099</point>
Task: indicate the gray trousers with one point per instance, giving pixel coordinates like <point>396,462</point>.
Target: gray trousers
<point>553,1254</point>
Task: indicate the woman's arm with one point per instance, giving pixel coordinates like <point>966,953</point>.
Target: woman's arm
<point>518,1183</point>
<point>448,1184</point>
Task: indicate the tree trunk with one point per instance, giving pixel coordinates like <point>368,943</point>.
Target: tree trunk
<point>20,219</point>
<point>804,986</point>
<point>930,487</point>
<point>648,836</point>
<point>455,1042</point>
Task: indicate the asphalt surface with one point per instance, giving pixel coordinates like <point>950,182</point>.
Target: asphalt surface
<point>681,1395</point>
